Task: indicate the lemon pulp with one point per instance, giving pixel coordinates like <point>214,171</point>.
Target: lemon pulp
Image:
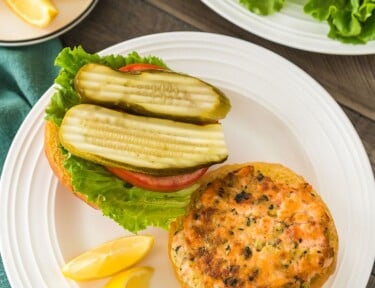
<point>39,13</point>
<point>109,258</point>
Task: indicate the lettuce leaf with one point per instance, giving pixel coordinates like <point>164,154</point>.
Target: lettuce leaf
<point>133,208</point>
<point>263,7</point>
<point>350,21</point>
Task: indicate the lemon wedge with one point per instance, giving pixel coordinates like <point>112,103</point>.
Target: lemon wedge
<point>39,13</point>
<point>137,277</point>
<point>108,258</point>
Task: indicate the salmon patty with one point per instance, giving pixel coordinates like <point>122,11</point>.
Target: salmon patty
<point>254,225</point>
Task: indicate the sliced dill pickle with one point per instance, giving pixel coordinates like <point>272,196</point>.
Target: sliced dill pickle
<point>138,143</point>
<point>158,93</point>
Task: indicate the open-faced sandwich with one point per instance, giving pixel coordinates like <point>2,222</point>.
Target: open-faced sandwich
<point>135,140</point>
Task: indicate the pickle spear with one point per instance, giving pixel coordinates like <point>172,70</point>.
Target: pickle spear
<point>157,93</point>
<point>138,143</point>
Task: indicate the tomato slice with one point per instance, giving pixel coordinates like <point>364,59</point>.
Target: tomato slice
<point>158,183</point>
<point>150,182</point>
<point>139,67</point>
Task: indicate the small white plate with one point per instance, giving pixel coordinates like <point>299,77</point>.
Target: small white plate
<point>279,114</point>
<point>290,27</point>
<point>16,32</point>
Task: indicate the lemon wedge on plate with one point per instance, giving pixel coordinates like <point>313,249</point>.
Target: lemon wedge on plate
<point>108,258</point>
<point>137,277</point>
<point>39,13</point>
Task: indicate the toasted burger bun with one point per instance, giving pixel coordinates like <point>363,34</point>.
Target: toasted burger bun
<point>254,225</point>
<point>56,159</point>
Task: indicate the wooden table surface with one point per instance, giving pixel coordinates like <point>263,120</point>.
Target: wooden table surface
<point>349,79</point>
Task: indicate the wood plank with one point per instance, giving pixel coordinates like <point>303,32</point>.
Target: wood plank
<point>371,282</point>
<point>366,131</point>
<point>349,79</point>
<point>113,21</point>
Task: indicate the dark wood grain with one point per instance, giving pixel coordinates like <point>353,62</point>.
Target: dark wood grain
<point>366,131</point>
<point>371,282</point>
<point>114,21</point>
<point>349,79</point>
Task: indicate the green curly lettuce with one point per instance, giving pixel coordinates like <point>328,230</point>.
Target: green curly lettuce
<point>263,7</point>
<point>350,21</point>
<point>131,207</point>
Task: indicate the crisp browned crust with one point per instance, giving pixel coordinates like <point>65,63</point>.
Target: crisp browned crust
<point>278,174</point>
<point>56,159</point>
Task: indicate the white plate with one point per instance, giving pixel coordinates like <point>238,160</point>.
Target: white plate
<point>15,32</point>
<point>290,27</point>
<point>280,114</point>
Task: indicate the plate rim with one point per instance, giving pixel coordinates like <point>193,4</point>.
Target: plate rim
<point>341,115</point>
<point>330,47</point>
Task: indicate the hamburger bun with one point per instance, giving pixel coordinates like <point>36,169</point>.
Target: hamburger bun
<point>52,149</point>
<point>254,225</point>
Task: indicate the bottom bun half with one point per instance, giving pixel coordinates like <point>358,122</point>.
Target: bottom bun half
<point>52,148</point>
<point>224,241</point>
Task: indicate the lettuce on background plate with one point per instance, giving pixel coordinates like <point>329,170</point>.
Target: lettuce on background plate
<point>263,7</point>
<point>350,21</point>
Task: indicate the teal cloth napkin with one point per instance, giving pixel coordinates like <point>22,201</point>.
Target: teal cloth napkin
<point>25,74</point>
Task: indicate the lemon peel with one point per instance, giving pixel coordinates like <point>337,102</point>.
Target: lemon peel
<point>108,258</point>
<point>137,277</point>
